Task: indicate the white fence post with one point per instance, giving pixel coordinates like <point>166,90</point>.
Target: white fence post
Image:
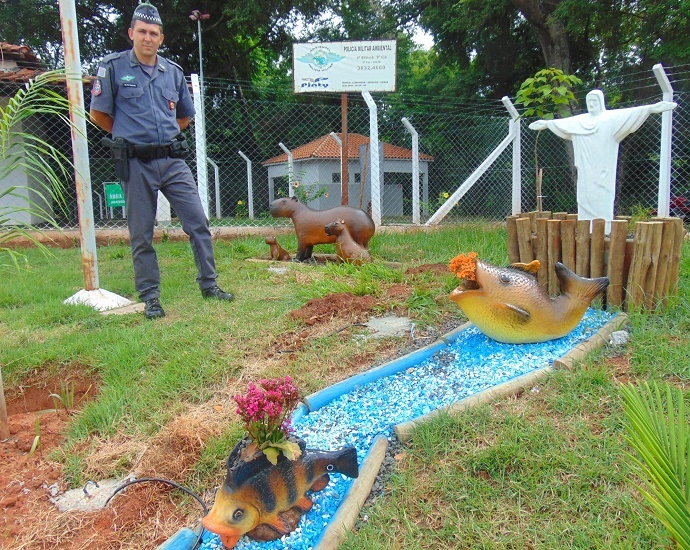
<point>199,133</point>
<point>415,170</point>
<point>80,146</point>
<point>216,182</point>
<point>250,186</point>
<point>340,146</point>
<point>517,155</point>
<point>664,201</point>
<point>374,158</point>
<point>291,169</point>
<point>473,178</point>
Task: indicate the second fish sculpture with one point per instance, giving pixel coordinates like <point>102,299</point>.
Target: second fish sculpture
<point>508,304</point>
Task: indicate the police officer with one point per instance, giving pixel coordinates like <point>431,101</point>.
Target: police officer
<point>143,101</point>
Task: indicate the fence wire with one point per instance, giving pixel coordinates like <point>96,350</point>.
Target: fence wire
<point>247,167</point>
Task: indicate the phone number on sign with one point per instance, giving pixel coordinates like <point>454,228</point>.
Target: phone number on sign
<point>370,67</point>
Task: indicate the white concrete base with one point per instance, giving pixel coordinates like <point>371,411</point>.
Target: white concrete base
<point>90,498</point>
<point>99,299</point>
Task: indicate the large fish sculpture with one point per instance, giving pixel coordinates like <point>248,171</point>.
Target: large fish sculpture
<point>508,304</point>
<point>260,497</point>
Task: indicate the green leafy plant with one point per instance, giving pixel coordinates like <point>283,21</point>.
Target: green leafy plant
<point>546,95</point>
<point>65,397</point>
<point>307,193</point>
<point>37,439</point>
<point>241,209</point>
<point>43,164</point>
<point>659,433</point>
<point>434,204</point>
<point>639,213</point>
<point>266,410</point>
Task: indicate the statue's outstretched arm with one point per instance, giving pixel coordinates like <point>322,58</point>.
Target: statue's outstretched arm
<point>662,106</point>
<point>538,125</point>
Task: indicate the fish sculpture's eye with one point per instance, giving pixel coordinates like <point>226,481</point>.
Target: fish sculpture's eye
<point>504,279</point>
<point>329,467</point>
<point>237,514</point>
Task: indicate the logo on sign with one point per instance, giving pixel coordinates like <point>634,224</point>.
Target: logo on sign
<point>320,58</point>
<point>321,82</point>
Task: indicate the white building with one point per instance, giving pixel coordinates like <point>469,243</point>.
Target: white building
<point>17,66</point>
<point>317,166</point>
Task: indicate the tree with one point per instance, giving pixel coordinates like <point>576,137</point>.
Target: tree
<point>238,39</point>
<point>547,95</point>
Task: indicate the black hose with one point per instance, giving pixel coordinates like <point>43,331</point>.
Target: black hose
<point>172,484</point>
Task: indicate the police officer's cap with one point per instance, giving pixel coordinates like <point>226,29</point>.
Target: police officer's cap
<point>147,13</point>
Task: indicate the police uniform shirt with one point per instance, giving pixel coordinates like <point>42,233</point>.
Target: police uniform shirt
<point>144,108</point>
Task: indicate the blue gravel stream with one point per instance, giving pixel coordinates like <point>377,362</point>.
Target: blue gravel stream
<point>470,364</point>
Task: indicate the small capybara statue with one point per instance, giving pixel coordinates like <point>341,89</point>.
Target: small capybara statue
<point>278,253</point>
<point>309,224</point>
<point>345,247</point>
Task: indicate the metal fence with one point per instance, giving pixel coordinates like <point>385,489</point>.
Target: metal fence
<point>264,144</point>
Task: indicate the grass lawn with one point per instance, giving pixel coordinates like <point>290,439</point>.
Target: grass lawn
<point>547,469</point>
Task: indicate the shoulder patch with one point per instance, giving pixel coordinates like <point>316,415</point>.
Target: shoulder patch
<point>96,87</point>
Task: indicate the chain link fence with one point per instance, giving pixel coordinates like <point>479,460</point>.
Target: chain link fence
<point>265,144</point>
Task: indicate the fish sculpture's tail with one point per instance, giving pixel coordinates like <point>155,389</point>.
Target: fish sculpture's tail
<point>343,461</point>
<point>574,285</point>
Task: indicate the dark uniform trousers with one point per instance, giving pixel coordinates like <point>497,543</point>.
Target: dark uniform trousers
<point>172,177</point>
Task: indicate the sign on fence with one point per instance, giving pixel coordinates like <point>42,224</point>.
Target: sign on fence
<point>345,66</point>
<point>114,197</point>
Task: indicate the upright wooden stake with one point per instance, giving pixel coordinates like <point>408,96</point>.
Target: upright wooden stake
<point>4,425</point>
<point>513,246</point>
<point>542,253</point>
<point>524,240</point>
<point>615,269</point>
<point>345,177</point>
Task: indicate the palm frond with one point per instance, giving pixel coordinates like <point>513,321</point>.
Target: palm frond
<point>47,167</point>
<point>659,436</point>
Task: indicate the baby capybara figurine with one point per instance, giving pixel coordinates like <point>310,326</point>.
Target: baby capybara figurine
<point>345,247</point>
<point>278,253</point>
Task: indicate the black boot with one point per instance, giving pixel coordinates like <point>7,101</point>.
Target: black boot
<point>216,293</point>
<point>153,309</point>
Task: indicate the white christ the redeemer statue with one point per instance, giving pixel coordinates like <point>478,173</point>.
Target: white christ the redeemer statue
<point>595,136</point>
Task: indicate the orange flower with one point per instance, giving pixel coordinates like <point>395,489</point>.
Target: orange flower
<point>464,266</point>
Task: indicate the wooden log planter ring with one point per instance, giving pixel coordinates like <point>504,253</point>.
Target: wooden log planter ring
<point>642,264</point>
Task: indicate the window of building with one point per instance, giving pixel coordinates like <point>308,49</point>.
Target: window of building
<point>335,177</point>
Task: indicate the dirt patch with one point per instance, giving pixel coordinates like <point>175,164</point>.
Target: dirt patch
<point>28,479</point>
<point>341,305</point>
<point>142,516</point>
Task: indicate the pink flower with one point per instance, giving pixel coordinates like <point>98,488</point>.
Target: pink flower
<point>266,409</point>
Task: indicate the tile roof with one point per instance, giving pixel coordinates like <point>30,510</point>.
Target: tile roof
<point>23,65</point>
<point>326,147</point>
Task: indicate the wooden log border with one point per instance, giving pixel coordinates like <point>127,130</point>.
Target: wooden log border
<point>643,269</point>
<point>346,516</point>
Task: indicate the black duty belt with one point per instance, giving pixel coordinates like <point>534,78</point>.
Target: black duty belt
<point>149,152</point>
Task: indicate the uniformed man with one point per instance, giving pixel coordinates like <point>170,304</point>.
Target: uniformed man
<point>142,99</point>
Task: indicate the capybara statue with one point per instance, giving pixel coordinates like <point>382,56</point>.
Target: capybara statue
<point>309,224</point>
<point>345,247</point>
<point>278,253</point>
